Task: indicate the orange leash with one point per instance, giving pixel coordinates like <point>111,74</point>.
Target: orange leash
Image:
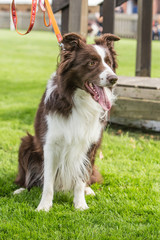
<point>32,18</point>
<point>52,19</point>
<point>44,10</point>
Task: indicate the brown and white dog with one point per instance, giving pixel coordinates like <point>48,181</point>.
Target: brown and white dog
<point>70,121</point>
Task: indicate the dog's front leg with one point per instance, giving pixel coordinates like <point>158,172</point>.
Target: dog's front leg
<point>50,169</point>
<point>79,195</point>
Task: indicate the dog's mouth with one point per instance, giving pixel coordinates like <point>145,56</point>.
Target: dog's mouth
<point>99,95</point>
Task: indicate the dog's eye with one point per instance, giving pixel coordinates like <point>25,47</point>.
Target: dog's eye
<point>91,63</point>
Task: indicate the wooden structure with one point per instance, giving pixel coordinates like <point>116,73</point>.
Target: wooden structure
<point>107,10</point>
<point>138,102</point>
<point>78,19</point>
<point>143,63</point>
<point>144,31</point>
<point>62,5</point>
<point>108,16</point>
<point>74,15</point>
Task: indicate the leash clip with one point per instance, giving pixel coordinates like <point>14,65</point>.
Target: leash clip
<point>61,46</point>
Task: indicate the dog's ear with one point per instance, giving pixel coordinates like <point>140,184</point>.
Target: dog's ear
<point>110,37</point>
<point>73,41</point>
<point>107,39</point>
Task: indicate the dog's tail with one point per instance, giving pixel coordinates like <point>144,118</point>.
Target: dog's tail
<point>30,169</point>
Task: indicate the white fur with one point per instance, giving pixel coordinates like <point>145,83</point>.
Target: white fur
<point>108,71</point>
<point>89,191</point>
<point>50,88</point>
<point>79,197</point>
<point>66,146</point>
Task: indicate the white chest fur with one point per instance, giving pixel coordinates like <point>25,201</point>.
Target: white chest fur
<point>70,139</point>
<point>65,151</point>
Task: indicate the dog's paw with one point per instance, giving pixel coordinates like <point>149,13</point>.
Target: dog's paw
<point>43,207</point>
<point>89,191</point>
<point>18,191</point>
<point>81,206</point>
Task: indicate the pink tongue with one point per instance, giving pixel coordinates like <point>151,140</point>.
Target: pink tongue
<point>103,99</point>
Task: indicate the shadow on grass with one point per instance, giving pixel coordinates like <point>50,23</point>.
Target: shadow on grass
<point>23,115</point>
<point>32,197</point>
<point>115,129</point>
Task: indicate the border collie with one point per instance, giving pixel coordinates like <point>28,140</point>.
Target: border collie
<point>70,121</point>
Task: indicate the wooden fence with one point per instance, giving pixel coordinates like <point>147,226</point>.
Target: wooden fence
<point>126,25</point>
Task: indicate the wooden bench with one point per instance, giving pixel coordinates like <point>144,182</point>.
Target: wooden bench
<point>138,102</point>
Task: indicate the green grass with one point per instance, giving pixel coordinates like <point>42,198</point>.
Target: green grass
<point>126,205</point>
<point>127,58</point>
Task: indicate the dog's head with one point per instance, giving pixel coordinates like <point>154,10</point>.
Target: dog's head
<point>88,67</point>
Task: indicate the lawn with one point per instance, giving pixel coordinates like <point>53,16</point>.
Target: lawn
<point>127,203</point>
<point>127,57</point>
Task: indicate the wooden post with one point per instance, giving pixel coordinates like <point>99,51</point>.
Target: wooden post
<point>144,38</point>
<point>63,5</point>
<point>65,20</point>
<point>78,16</point>
<point>108,16</point>
<point>58,5</point>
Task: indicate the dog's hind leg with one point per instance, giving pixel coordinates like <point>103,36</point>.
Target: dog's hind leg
<point>89,191</point>
<point>30,168</point>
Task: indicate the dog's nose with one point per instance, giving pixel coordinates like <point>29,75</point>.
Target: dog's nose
<point>112,79</point>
